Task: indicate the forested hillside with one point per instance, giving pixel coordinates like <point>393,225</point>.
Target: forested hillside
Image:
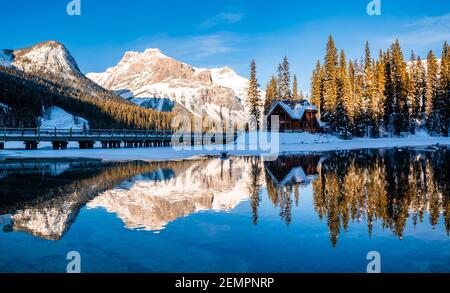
<point>27,95</point>
<point>46,74</point>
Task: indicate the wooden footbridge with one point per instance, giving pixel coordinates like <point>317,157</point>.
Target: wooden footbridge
<point>87,138</point>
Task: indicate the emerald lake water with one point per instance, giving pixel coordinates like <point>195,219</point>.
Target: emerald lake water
<point>319,212</point>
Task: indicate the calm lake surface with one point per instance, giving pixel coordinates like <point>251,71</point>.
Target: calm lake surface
<point>304,213</point>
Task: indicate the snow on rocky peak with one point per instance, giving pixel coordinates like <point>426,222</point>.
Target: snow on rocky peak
<point>46,58</point>
<point>154,52</point>
<point>227,77</point>
<point>155,76</point>
<point>5,58</point>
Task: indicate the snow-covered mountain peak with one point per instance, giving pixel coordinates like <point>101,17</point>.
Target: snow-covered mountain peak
<point>225,70</point>
<point>46,57</point>
<point>152,79</point>
<point>149,55</point>
<point>154,52</point>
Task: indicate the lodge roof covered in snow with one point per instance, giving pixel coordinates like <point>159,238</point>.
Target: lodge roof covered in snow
<point>295,110</point>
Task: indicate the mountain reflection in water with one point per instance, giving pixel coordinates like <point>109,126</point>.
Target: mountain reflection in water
<point>377,187</point>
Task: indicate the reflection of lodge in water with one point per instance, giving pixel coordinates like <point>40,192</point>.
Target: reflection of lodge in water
<point>292,170</point>
<point>285,175</point>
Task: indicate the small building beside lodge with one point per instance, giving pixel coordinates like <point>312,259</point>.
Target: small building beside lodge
<point>295,116</point>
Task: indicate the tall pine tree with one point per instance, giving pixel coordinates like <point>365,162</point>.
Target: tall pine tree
<point>400,115</point>
<point>418,88</point>
<point>431,96</point>
<point>317,87</point>
<point>380,80</point>
<point>253,96</point>
<point>370,93</point>
<point>352,97</point>
<point>444,90</point>
<point>284,80</point>
<point>271,94</point>
<point>359,122</point>
<point>295,95</point>
<point>342,122</point>
<point>330,77</point>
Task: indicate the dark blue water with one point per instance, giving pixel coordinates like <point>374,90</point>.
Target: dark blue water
<point>315,213</point>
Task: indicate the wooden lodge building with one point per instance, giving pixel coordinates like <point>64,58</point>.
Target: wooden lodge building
<point>295,116</point>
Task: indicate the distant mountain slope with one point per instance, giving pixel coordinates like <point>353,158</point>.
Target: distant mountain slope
<point>152,79</point>
<point>47,75</point>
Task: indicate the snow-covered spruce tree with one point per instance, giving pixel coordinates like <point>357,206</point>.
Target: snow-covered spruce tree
<point>317,87</point>
<point>418,73</point>
<point>434,118</point>
<point>295,95</point>
<point>379,78</point>
<point>369,92</point>
<point>271,94</point>
<point>301,96</point>
<point>330,77</point>
<point>284,81</point>
<point>388,93</point>
<point>352,98</point>
<point>279,81</point>
<point>375,117</point>
<point>342,122</point>
<point>411,100</point>
<point>377,107</point>
<point>398,76</point>
<point>359,125</point>
<point>444,89</point>
<point>286,78</point>
<point>253,97</point>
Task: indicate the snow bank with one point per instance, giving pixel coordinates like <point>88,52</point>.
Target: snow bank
<point>56,117</point>
<point>307,138</point>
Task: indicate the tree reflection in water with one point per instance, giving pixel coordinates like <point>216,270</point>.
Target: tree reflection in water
<point>377,187</point>
<point>385,186</point>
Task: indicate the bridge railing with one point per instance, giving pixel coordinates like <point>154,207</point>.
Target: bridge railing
<point>80,132</point>
<point>37,133</point>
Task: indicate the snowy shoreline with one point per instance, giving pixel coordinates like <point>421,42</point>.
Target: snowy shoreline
<point>289,143</point>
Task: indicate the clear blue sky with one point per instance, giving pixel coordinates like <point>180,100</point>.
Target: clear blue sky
<point>210,33</point>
